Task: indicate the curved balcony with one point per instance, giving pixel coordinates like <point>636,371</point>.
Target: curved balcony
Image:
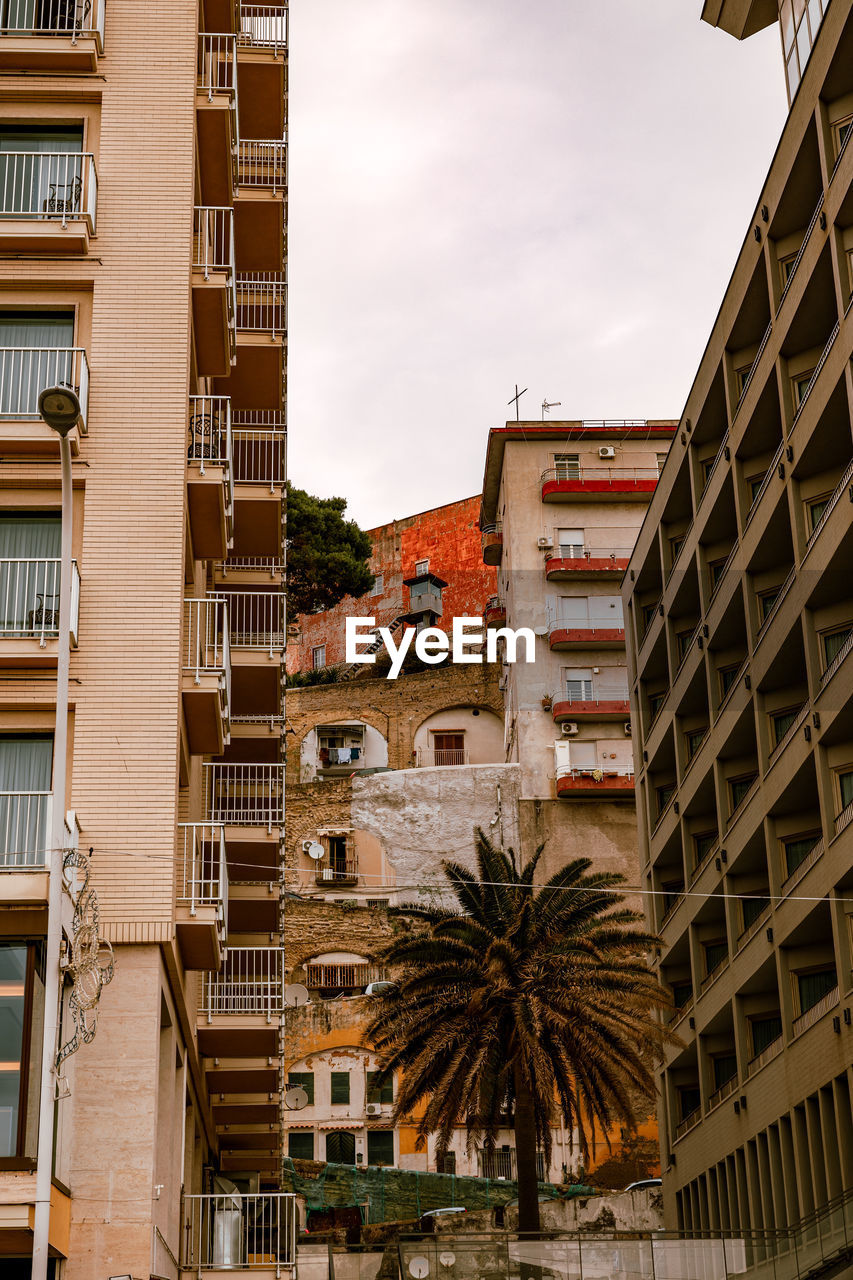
<point>492,539</point>
<point>569,563</point>
<point>594,784</point>
<point>599,702</point>
<point>563,636</point>
<point>494,612</point>
<point>591,484</point>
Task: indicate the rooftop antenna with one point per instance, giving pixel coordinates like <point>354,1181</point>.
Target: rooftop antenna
<point>515,400</point>
<point>546,407</point>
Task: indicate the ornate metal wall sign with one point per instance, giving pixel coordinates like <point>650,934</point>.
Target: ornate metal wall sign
<point>90,964</point>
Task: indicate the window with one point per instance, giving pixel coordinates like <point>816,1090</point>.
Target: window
<point>578,684</point>
<point>340,1147</point>
<point>815,509</point>
<point>300,1146</point>
<point>41,169</point>
<point>682,642</point>
<point>813,986</point>
<point>378,585</point>
<point>842,133</point>
<point>833,643</point>
<point>682,993</point>
<point>716,569</point>
<point>694,739</point>
<point>379,1093</point>
<point>739,789</point>
<point>35,352</point>
<point>753,487</point>
<point>340,1088</point>
<point>661,459</point>
<point>567,466</point>
<point>752,908</point>
<point>448,748</point>
<point>800,386</point>
<point>302,1080</point>
<point>570,543</point>
<point>21,1014</point>
<point>725,1069</point>
<point>741,379</point>
<point>797,849</point>
<point>764,1032</point>
<point>672,892</point>
<point>707,466</point>
<point>380,1146</point>
<point>29,574</point>
<point>378,903</point>
<point>421,568</point>
<point>318,656</point>
<point>675,545</point>
<point>656,701</point>
<point>26,765</point>
<point>703,843</point>
<point>647,613</point>
<point>664,795</point>
<point>688,1101</point>
<point>781,722</point>
<point>766,601</point>
<point>786,267</point>
<point>728,676</point>
<point>845,786</point>
<point>716,953</point>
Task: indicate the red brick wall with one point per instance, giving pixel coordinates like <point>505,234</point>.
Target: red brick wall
<point>449,537</point>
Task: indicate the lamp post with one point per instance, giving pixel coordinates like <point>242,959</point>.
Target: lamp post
<point>59,407</point>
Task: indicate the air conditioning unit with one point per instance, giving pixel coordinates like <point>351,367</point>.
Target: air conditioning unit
<point>544,544</point>
<point>607,451</point>
<point>627,728</point>
<point>373,1109</point>
<point>569,729</point>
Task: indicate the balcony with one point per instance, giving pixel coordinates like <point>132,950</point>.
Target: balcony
<point>262,165</point>
<point>245,795</point>
<point>239,1232</point>
<point>54,35</point>
<point>214,297</point>
<point>24,373</point>
<point>595,784</point>
<point>262,303</point>
<point>48,201</point>
<point>564,633</point>
<point>206,684</point>
<point>815,1013</point>
<point>440,757</point>
<point>260,442</point>
<point>29,612</point>
<point>262,71</point>
<point>210,476</point>
<point>341,977</point>
<point>591,484</point>
<point>202,894</point>
<point>25,831</point>
<point>586,562</point>
<point>257,622</point>
<point>343,871</point>
<point>494,612</point>
<point>240,1006</point>
<point>263,26</point>
<point>217,116</point>
<point>492,539</point>
<point>592,702</point>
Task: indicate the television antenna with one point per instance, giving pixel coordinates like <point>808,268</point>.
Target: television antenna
<point>515,399</point>
<point>546,407</point>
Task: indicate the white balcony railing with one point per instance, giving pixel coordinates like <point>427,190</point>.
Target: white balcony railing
<point>203,869</point>
<point>246,795</point>
<point>213,240</point>
<point>53,18</point>
<point>618,476</point>
<point>262,164</point>
<point>207,640</point>
<point>216,71</point>
<point>256,620</point>
<point>262,302</point>
<point>264,26</point>
<point>25,818</point>
<point>251,980</point>
<point>59,186</point>
<point>439,757</point>
<point>29,600</point>
<point>591,695</point>
<point>259,456</point>
<point>578,552</point>
<point>596,774</point>
<point>26,371</point>
<point>237,1231</point>
<point>211,442</point>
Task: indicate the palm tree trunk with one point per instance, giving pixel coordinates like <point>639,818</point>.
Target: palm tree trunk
<point>525,1156</point>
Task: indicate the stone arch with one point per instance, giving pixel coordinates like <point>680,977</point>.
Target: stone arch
<point>481,742</point>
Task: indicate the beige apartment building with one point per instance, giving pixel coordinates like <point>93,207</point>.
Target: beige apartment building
<point>739,619</point>
<point>143,189</point>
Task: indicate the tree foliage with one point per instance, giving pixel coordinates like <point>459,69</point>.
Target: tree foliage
<point>327,555</point>
<point>534,1001</point>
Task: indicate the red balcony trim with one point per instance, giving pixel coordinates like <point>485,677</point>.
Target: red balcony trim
<point>591,710</point>
<point>552,487</point>
<point>586,564</point>
<point>586,785</point>
<point>496,614</point>
<point>587,636</point>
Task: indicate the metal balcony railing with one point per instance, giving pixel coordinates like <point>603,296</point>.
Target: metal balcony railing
<point>578,552</point>
<point>203,869</point>
<point>210,440</point>
<point>251,981</point>
<point>263,26</point>
<point>496,1164</point>
<point>812,1015</point>
<point>207,647</point>
<point>29,600</point>
<point>53,18</point>
<point>262,164</point>
<point>262,302</point>
<point>343,872</point>
<point>766,1054</point>
<point>596,774</point>
<point>592,625</point>
<point>600,475</point>
<point>259,455</point>
<point>247,795</point>
<point>256,620</point>
<point>438,757</point>
<point>49,187</point>
<point>216,70</point>
<point>237,1231</point>
<point>331,976</point>
<point>213,240</point>
<point>26,371</point>
<point>25,818</point>
<point>590,695</point>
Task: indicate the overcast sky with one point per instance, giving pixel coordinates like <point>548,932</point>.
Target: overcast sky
<point>484,192</point>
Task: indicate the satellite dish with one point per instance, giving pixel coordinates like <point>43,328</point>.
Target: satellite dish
<point>295,1099</point>
<point>540,631</point>
<point>315,851</point>
<point>447,1259</point>
<point>419,1267</point>
<point>295,995</point>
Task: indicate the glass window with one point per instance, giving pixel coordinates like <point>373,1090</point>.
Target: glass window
<point>812,987</point>
<point>716,569</point>
<point>379,1093</point>
<point>672,891</point>
<point>702,846</point>
<point>318,656</point>
<point>801,385</point>
<point>682,641</point>
<point>781,722</point>
<point>421,568</point>
<point>740,788</point>
<point>787,19</point>
<point>842,132</point>
<point>578,684</point>
<point>302,1080</point>
<point>380,1146</point>
<point>25,780</point>
<point>681,993</point>
<point>725,1069</point>
<point>753,487</point>
<point>786,267</point>
<point>715,954</point>
<point>675,545</point>
<point>34,354</point>
<point>688,1102</point>
<point>648,612</point>
<point>833,643</point>
<point>656,701</point>
<point>300,1146</point>
<point>21,1014</point>
<point>567,466</point>
<point>378,585</point>
<point>570,543</point>
<point>751,909</point>
<point>797,849</point>
<point>793,69</point>
<point>816,510</point>
<point>664,795</point>
<point>694,739</point>
<point>764,1031</point>
<point>728,676</point>
<point>845,786</point>
<point>340,1087</point>
<point>766,601</point>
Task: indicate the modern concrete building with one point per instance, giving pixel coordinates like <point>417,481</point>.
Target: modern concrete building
<point>143,185</point>
<point>739,619</point>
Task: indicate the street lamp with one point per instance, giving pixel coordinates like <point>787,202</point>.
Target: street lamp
<point>59,408</point>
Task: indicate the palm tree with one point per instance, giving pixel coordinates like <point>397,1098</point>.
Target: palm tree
<point>534,1000</point>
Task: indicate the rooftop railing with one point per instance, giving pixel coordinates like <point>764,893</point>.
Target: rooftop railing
<point>248,795</point>
<point>203,869</point>
<point>49,186</point>
<point>53,18</point>
<point>263,26</point>
<point>29,600</point>
<point>237,1231</point>
<point>251,981</point>
<point>262,164</point>
<point>26,371</point>
<point>25,820</point>
<point>262,302</point>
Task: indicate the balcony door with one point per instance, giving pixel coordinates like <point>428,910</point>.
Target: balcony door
<point>21,1013</point>
<point>448,748</point>
<point>578,684</point>
<point>25,781</point>
<point>29,575</point>
<point>35,352</point>
<point>41,172</point>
